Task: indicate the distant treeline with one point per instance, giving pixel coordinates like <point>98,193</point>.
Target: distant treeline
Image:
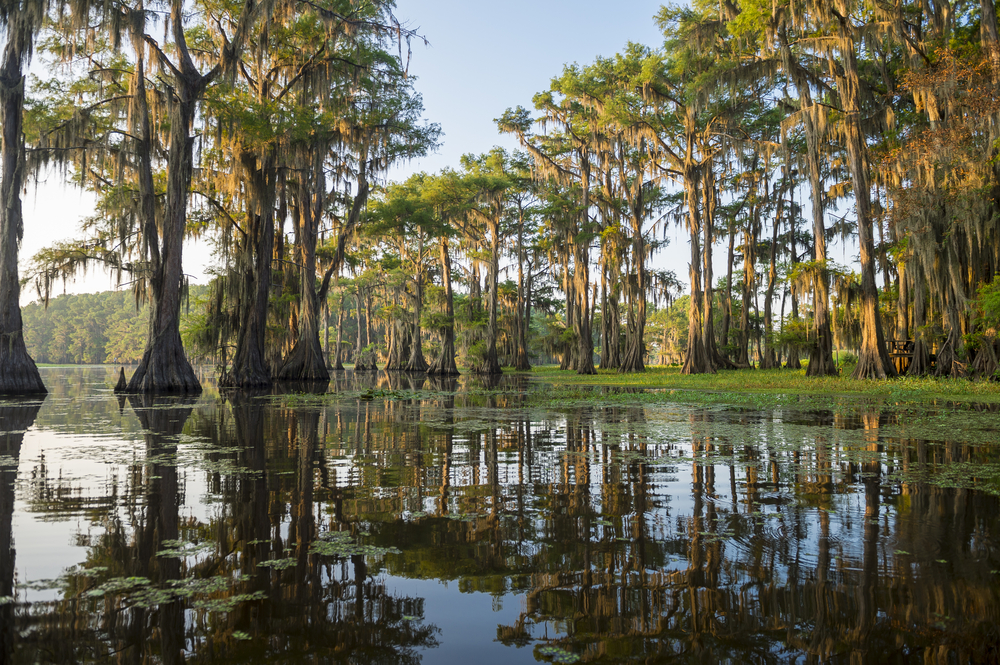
<point>92,328</point>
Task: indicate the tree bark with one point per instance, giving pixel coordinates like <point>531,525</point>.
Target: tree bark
<point>445,365</point>
<point>750,237</point>
<point>18,373</point>
<point>568,362</point>
<point>338,354</point>
<point>581,276</point>
<point>696,359</point>
<point>490,364</point>
<point>821,362</point>
<point>873,360</point>
<point>250,368</point>
<point>634,359</point>
<point>920,363</point>
<point>717,360</point>
<point>769,361</point>
<point>521,362</point>
<point>305,361</point>
<point>728,314</point>
<point>416,362</point>
<point>365,360</point>
<point>164,367</point>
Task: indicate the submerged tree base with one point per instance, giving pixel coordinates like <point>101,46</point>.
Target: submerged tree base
<point>444,366</point>
<point>164,369</point>
<point>304,363</point>
<point>244,379</point>
<point>18,372</point>
<point>122,384</point>
<point>366,362</point>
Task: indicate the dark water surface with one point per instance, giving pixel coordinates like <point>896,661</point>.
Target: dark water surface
<point>408,520</point>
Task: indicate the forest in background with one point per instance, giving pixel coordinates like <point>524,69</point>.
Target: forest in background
<point>96,328</point>
<point>111,328</point>
<point>764,129</point>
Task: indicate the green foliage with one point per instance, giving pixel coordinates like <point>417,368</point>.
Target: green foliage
<point>794,334</point>
<point>341,544</point>
<point>987,305</point>
<point>667,332</point>
<point>92,328</point>
<point>141,592</point>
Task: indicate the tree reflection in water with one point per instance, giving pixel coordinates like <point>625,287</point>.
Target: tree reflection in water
<point>266,525</point>
<point>16,416</point>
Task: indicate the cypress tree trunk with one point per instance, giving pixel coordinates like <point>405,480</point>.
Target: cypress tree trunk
<point>250,367</point>
<point>821,362</point>
<point>357,315</point>
<point>727,315</point>
<point>717,360</point>
<point>582,322</point>
<point>18,373</point>
<point>338,354</point>
<point>305,362</point>
<point>164,368</point>
<point>521,362</point>
<point>989,36</point>
<point>634,359</point>
<point>528,291</point>
<point>769,361</point>
<point>583,319</point>
<point>873,360</point>
<point>606,360</point>
<point>920,363</point>
<point>364,360</point>
<point>902,304</point>
<point>445,365</point>
<point>399,346</point>
<point>696,359</point>
<point>569,350</point>
<point>749,282</point>
<point>490,364</point>
<point>416,361</point>
<point>615,323</point>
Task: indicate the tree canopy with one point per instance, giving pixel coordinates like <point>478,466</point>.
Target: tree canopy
<point>268,127</point>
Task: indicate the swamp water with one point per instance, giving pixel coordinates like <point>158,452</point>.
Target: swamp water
<point>407,520</point>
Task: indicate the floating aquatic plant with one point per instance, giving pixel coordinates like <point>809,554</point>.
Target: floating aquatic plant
<point>341,544</point>
<point>140,592</point>
<point>118,585</point>
<point>179,549</point>
<point>279,564</point>
<point>228,603</point>
<point>557,654</point>
<point>462,517</point>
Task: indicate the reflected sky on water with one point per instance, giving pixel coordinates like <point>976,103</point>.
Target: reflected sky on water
<point>401,519</point>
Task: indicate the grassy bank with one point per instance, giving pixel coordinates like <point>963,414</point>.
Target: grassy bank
<point>776,383</point>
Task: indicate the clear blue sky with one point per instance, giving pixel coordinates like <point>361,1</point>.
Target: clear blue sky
<point>487,56</point>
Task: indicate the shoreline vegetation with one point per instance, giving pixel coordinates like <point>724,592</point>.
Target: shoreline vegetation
<point>776,382</point>
<point>763,387</point>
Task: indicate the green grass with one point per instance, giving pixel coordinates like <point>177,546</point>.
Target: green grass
<point>780,382</point>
